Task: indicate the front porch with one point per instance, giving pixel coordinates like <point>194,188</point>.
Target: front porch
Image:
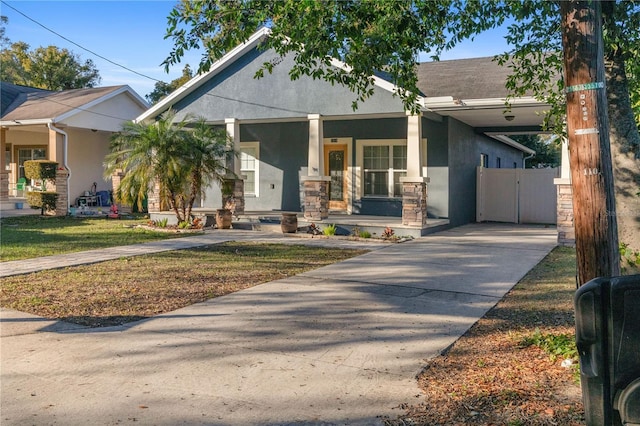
<point>345,223</point>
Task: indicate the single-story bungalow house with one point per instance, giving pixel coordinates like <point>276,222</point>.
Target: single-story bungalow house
<point>71,127</point>
<point>304,149</point>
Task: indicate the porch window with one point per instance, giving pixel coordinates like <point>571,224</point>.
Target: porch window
<point>26,154</point>
<point>7,157</point>
<point>249,161</point>
<point>383,166</point>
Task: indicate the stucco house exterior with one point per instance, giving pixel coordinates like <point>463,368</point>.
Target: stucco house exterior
<point>71,127</point>
<point>304,149</point>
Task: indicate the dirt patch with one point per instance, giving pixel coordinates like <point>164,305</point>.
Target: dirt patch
<point>492,376</point>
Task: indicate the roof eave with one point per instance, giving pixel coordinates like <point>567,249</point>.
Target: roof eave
<point>26,122</point>
<point>508,141</point>
<point>112,94</point>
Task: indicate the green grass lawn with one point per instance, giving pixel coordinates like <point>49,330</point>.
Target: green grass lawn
<point>35,236</point>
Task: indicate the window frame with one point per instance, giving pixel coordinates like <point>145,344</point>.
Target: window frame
<point>360,187</point>
<point>255,170</point>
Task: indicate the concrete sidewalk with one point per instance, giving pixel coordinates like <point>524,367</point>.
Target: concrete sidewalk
<point>338,345</point>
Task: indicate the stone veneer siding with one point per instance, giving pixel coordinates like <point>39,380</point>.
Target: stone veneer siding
<point>316,199</point>
<point>62,189</point>
<point>414,204</point>
<point>566,230</point>
<point>4,185</point>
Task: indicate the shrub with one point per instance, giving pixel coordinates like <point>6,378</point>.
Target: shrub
<point>40,169</point>
<point>364,234</point>
<point>44,200</point>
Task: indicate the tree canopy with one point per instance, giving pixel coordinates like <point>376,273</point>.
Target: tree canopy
<point>162,89</point>
<point>48,68</point>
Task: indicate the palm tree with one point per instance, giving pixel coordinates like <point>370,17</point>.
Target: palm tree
<point>207,151</point>
<point>177,158</point>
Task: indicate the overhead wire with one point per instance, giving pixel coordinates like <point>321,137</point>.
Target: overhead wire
<point>136,72</point>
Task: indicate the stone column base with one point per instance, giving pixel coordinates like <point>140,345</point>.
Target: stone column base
<point>154,203</point>
<point>316,197</point>
<point>62,188</point>
<point>4,185</point>
<point>414,201</point>
<point>565,225</point>
<point>234,200</point>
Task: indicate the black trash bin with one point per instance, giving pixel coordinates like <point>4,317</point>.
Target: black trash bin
<point>608,341</point>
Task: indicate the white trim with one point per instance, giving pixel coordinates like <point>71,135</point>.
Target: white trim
<point>508,141</point>
<point>359,167</point>
<point>256,170</point>
<point>351,174</point>
<point>200,79</point>
<point>101,99</point>
<point>28,122</point>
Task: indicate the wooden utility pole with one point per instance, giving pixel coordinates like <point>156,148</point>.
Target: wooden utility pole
<point>596,229</point>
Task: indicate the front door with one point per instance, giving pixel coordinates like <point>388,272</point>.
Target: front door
<point>335,164</point>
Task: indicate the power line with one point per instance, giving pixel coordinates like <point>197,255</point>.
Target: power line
<point>76,44</point>
<point>138,73</point>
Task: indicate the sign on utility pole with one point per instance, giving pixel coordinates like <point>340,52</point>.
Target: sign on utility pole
<point>596,229</point>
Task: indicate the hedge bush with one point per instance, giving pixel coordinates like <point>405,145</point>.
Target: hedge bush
<point>40,169</point>
<point>46,201</point>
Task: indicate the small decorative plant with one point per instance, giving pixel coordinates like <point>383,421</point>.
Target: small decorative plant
<point>364,234</point>
<point>387,233</point>
<point>330,230</point>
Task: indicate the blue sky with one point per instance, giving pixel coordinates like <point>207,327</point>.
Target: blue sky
<point>131,33</point>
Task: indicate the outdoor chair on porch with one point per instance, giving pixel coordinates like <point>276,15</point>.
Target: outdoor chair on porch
<point>21,185</point>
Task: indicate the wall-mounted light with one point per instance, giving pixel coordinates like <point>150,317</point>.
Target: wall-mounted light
<point>509,117</point>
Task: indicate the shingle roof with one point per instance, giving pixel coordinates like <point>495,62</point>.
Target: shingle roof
<point>31,104</point>
<point>12,92</point>
<point>477,78</point>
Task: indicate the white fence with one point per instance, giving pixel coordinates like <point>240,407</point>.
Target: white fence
<point>516,195</point>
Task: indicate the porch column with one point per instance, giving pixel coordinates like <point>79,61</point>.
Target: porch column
<point>4,173</point>
<point>565,226</point>
<point>414,185</point>
<point>152,197</point>
<point>316,186</point>
<point>233,187</point>
<point>56,153</point>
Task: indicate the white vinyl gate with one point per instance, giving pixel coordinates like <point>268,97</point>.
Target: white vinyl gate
<point>516,195</point>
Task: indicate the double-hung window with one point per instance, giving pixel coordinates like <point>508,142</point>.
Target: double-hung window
<point>383,164</point>
<point>249,162</point>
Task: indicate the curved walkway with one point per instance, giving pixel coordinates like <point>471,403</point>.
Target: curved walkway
<point>338,345</point>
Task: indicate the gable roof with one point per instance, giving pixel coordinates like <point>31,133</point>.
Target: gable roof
<point>228,59</point>
<point>31,105</point>
<point>10,93</point>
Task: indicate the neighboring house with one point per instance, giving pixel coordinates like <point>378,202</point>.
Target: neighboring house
<point>303,147</point>
<point>71,127</point>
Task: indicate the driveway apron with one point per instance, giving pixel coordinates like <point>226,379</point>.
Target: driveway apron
<point>338,345</point>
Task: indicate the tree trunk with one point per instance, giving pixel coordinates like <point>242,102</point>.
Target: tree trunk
<point>625,150</point>
<point>588,133</point>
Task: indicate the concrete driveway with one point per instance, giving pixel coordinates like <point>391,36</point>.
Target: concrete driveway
<point>338,345</point>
